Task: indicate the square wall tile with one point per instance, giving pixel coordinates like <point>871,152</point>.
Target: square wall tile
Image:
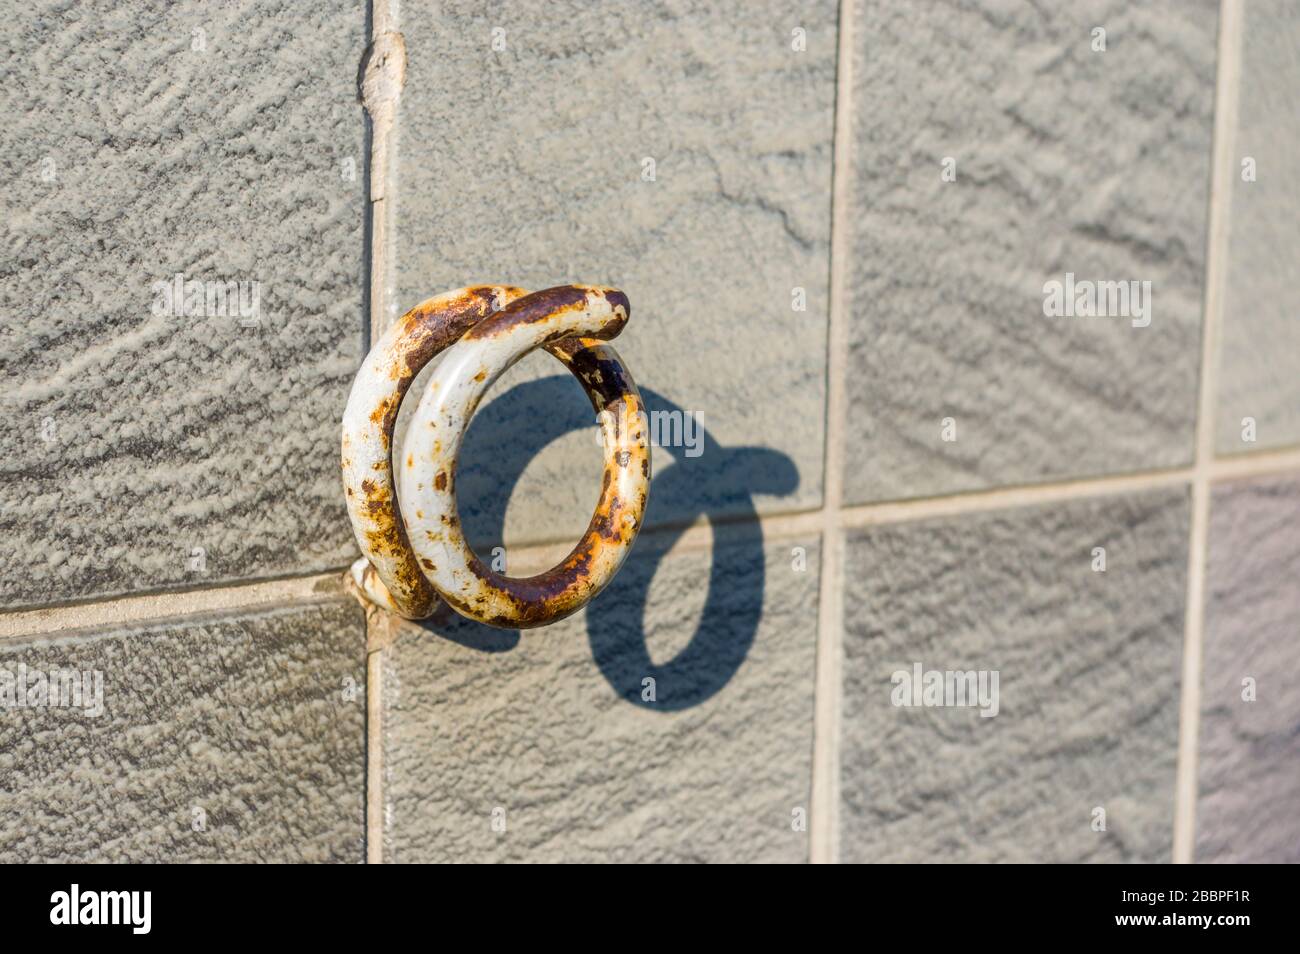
<point>678,151</point>
<point>1082,729</point>
<point>1249,745</point>
<point>153,438</point>
<point>671,720</point>
<point>238,739</point>
<point>1259,342</point>
<point>997,149</point>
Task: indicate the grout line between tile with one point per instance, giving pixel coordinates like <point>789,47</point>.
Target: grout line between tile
<point>381,91</point>
<point>378,629</point>
<point>1259,464</point>
<point>143,608</point>
<point>38,620</point>
<point>697,533</point>
<point>1206,467</point>
<point>1001,498</point>
<point>383,113</point>
<point>826,699</point>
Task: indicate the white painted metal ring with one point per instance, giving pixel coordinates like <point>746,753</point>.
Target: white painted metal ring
<point>409,530</point>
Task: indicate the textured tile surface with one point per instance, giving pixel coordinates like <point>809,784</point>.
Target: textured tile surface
<point>1260,337</point>
<point>1249,764</point>
<point>1067,161</point>
<point>242,727</point>
<point>549,734</point>
<point>1089,670</point>
<point>144,141</point>
<point>525,164</point>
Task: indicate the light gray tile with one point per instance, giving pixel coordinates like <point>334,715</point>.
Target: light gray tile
<point>1067,161</point>
<point>552,732</point>
<point>525,165</point>
<point>235,739</point>
<point>1088,687</point>
<point>1260,338</point>
<point>1249,762</point>
<point>218,141</point>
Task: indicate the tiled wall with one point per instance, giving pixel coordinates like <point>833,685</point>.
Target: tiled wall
<point>836,225</point>
<point>193,453</point>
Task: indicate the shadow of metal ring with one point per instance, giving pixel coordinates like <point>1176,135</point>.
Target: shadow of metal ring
<point>616,625</point>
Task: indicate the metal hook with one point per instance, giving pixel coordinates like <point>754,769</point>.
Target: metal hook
<point>415,552</point>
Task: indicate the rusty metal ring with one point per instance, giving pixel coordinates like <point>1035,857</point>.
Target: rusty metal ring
<point>409,531</point>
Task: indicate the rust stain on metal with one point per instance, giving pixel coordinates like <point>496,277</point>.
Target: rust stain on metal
<point>412,564</point>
